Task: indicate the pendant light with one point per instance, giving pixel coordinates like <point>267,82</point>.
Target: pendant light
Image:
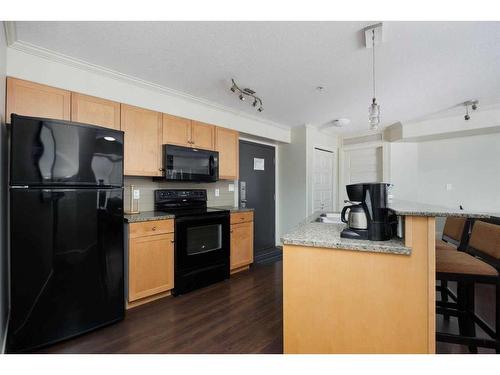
<point>374,108</point>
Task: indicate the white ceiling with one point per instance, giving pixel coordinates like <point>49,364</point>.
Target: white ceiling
<point>422,67</point>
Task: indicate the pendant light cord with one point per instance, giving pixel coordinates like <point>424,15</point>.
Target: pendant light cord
<point>373,56</point>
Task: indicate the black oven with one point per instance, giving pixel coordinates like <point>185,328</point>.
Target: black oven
<point>190,164</point>
<point>201,250</point>
<point>201,238</point>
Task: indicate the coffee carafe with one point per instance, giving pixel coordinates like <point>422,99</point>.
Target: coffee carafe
<point>369,216</point>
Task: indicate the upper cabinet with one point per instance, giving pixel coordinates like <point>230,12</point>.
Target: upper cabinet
<point>95,111</point>
<point>176,131</point>
<point>227,144</point>
<point>184,132</point>
<point>143,133</point>
<point>203,135</point>
<point>33,99</point>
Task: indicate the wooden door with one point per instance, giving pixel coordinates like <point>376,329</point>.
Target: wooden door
<point>241,245</point>
<point>143,130</point>
<point>202,135</point>
<point>227,144</point>
<point>95,111</point>
<point>33,99</point>
<point>323,187</point>
<point>151,265</point>
<point>176,130</point>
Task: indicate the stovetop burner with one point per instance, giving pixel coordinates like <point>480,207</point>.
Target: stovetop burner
<point>184,202</point>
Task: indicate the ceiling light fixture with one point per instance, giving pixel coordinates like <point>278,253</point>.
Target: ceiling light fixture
<point>247,92</point>
<point>374,32</point>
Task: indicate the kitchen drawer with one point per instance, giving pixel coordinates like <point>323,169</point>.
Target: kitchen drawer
<point>148,228</point>
<point>241,217</point>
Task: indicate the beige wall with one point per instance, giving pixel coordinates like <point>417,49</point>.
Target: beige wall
<point>147,187</point>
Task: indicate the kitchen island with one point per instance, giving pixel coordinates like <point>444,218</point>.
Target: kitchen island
<point>355,296</point>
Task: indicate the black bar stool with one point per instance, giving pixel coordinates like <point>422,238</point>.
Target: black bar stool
<point>456,235</point>
<point>481,264</point>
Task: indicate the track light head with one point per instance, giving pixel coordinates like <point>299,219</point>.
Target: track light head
<point>260,109</point>
<point>255,103</point>
<point>233,88</point>
<point>467,117</point>
<point>242,98</point>
<point>474,106</point>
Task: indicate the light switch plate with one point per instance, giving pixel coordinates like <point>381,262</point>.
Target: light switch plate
<point>137,194</point>
<point>449,187</point>
<point>231,187</point>
<point>217,192</point>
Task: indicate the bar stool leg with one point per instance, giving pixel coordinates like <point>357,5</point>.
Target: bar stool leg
<point>471,325</point>
<point>497,317</point>
<point>466,325</point>
<point>444,296</point>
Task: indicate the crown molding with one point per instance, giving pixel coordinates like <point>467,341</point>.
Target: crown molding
<point>10,32</point>
<point>57,57</point>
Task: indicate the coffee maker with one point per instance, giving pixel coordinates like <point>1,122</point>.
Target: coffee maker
<point>369,217</point>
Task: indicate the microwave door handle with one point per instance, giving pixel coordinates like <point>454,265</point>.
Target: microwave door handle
<point>211,165</point>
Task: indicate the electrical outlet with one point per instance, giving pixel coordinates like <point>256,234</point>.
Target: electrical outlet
<point>449,187</point>
<point>137,194</point>
<point>217,192</point>
<point>231,187</point>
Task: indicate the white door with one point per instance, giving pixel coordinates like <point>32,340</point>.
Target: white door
<point>361,165</point>
<point>323,180</point>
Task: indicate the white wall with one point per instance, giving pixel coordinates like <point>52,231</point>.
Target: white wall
<point>69,74</point>
<point>470,164</point>
<point>292,190</point>
<point>3,193</point>
<point>403,170</point>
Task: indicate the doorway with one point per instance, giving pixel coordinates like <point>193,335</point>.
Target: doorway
<point>323,170</point>
<point>257,190</point>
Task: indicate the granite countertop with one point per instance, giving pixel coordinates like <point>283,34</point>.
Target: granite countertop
<point>234,209</point>
<point>147,216</point>
<point>407,208</point>
<point>314,234</point>
<point>159,215</point>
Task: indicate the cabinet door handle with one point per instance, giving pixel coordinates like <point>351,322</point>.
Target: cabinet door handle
<point>231,231</point>
<point>172,241</point>
<point>154,228</point>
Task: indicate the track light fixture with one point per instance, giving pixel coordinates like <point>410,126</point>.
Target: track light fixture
<point>474,104</point>
<point>242,93</point>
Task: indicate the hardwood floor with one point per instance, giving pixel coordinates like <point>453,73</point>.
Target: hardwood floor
<point>240,315</point>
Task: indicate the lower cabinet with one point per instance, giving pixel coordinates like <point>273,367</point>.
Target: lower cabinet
<point>241,241</point>
<point>151,261</point>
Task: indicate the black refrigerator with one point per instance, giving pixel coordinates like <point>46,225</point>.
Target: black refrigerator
<point>66,230</point>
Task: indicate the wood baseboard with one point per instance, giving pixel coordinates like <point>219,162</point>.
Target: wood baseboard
<point>239,269</point>
<point>142,301</point>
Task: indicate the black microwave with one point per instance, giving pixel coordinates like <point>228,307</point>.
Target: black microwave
<point>190,164</point>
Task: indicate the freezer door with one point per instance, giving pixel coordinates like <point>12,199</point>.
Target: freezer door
<point>67,263</point>
<point>53,152</point>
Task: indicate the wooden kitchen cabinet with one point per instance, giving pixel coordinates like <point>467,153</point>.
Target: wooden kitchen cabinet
<point>151,261</point>
<point>95,111</point>
<point>176,130</point>
<point>143,132</point>
<point>202,135</point>
<point>241,254</point>
<point>33,99</point>
<point>227,144</point>
<point>184,132</point>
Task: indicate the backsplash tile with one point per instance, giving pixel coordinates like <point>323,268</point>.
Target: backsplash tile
<point>147,186</point>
